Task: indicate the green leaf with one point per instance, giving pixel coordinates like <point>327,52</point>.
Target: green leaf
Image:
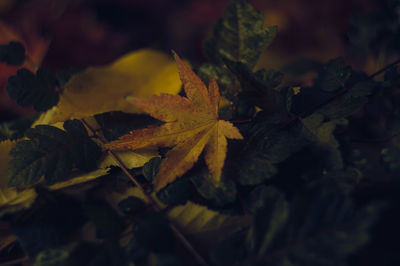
<point>107,222</point>
<point>177,192</point>
<point>350,101</point>
<point>37,90</point>
<point>240,35</point>
<point>52,257</point>
<point>106,254</point>
<point>12,53</point>
<point>318,228</point>
<point>221,74</point>
<point>165,260</point>
<point>116,124</point>
<point>258,87</point>
<point>218,194</point>
<point>229,251</point>
<point>52,153</point>
<point>15,129</point>
<point>275,143</point>
<point>153,232</point>
<point>151,168</point>
<point>49,223</point>
<point>204,225</point>
<point>333,75</point>
<point>325,233</point>
<point>261,196</point>
<point>255,169</point>
<point>268,221</point>
<point>132,205</point>
<point>390,156</point>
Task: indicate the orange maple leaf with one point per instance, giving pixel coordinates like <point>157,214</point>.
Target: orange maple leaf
<point>191,125</point>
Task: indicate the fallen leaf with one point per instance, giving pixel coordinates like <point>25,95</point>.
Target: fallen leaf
<point>191,125</point>
<point>102,89</point>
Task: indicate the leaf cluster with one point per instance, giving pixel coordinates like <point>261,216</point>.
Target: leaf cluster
<point>300,188</point>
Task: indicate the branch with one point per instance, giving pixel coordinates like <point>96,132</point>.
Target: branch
<point>380,71</point>
<point>200,260</point>
<point>346,89</point>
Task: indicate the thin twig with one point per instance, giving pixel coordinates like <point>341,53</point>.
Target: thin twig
<point>380,71</point>
<point>346,89</point>
<point>200,260</point>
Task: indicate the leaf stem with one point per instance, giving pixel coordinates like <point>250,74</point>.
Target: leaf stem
<point>200,260</point>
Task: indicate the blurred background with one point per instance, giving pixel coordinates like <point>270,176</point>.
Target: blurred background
<point>78,33</point>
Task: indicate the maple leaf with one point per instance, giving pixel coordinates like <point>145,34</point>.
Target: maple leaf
<point>191,125</point>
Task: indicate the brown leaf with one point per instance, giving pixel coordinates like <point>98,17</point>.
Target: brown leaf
<point>191,125</point>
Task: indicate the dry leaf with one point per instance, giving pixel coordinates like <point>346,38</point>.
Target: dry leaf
<point>191,125</point>
<point>103,89</point>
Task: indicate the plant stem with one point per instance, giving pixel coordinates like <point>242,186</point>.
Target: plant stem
<point>200,260</point>
<point>380,71</point>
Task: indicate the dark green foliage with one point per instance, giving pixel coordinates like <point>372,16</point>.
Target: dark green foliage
<point>376,33</point>
<point>49,223</point>
<point>224,77</point>
<point>352,100</point>
<point>132,205</point>
<point>268,221</point>
<point>106,220</point>
<point>150,169</point>
<point>115,124</point>
<point>152,231</point>
<point>239,36</point>
<point>230,251</point>
<point>217,194</point>
<point>262,195</point>
<point>86,253</point>
<point>333,75</point>
<point>38,90</point>
<point>64,76</point>
<point>281,143</point>
<point>166,260</point>
<point>254,170</point>
<point>12,53</point>
<point>14,130</point>
<point>319,229</point>
<point>258,87</point>
<point>53,153</point>
<point>177,192</point>
<point>302,186</point>
<point>390,156</point>
<point>135,251</point>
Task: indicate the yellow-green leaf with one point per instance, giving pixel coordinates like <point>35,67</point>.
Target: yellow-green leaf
<point>203,224</point>
<point>102,89</point>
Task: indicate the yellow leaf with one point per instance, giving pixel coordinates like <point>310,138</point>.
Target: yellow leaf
<point>203,224</point>
<point>102,89</point>
<point>196,221</point>
<point>192,124</point>
<point>80,177</point>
